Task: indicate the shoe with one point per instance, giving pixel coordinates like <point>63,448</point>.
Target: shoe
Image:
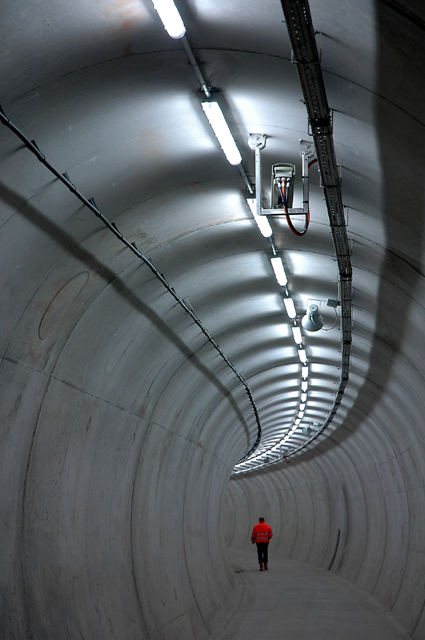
<point>265,566</point>
<point>261,566</point>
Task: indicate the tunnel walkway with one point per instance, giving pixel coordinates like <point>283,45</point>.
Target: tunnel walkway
<point>295,601</point>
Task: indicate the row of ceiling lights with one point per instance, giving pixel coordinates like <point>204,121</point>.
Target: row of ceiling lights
<point>262,457</point>
<point>174,26</point>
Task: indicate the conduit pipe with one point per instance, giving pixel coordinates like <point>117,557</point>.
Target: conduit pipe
<point>195,66</point>
<point>306,58</point>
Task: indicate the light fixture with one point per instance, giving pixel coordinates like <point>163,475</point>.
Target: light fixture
<point>297,421</point>
<point>290,308</point>
<point>304,372</point>
<point>296,332</point>
<point>262,222</point>
<point>312,320</point>
<point>302,355</point>
<point>302,406</point>
<point>170,18</point>
<point>279,271</point>
<point>303,397</point>
<point>300,414</point>
<point>304,385</point>
<point>221,129</point>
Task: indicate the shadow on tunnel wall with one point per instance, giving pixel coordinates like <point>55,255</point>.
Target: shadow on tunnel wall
<point>69,245</point>
<point>400,128</point>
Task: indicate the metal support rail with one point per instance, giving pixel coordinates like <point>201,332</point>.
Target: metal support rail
<point>205,87</point>
<point>306,58</point>
<point>91,205</point>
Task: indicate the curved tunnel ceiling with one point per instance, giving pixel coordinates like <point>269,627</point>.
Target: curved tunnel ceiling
<point>162,136</point>
<point>113,101</point>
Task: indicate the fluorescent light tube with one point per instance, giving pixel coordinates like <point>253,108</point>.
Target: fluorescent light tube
<point>303,397</point>
<point>302,406</point>
<point>304,372</point>
<point>296,332</point>
<point>297,421</point>
<point>170,17</point>
<point>300,414</point>
<point>220,127</point>
<point>290,308</point>
<point>302,355</point>
<point>279,271</point>
<point>304,385</point>
<point>262,222</point>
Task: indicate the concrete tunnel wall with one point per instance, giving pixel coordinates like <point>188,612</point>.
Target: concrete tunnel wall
<point>118,432</point>
<point>119,439</point>
<point>112,492</point>
<point>367,481</point>
<point>370,489</point>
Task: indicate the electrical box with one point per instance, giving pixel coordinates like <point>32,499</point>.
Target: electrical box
<point>282,188</point>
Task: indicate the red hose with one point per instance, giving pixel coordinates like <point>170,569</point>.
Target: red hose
<point>294,230</point>
<point>307,215</point>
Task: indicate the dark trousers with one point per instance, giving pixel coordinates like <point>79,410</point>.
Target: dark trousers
<point>262,551</point>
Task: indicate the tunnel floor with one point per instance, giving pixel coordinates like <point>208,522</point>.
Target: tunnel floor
<point>295,601</point>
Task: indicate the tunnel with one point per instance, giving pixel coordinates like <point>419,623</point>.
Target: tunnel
<point>161,386</point>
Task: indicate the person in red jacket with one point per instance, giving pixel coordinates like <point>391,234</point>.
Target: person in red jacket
<point>261,534</point>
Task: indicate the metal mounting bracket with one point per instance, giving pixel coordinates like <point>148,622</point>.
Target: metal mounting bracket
<point>257,142</point>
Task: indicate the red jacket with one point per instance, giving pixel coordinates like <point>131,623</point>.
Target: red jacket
<point>262,532</point>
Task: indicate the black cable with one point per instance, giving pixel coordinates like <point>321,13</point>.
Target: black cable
<point>90,204</point>
<point>307,215</point>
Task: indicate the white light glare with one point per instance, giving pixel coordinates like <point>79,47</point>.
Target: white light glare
<point>279,271</point>
<point>302,355</point>
<point>304,385</point>
<point>304,372</point>
<point>262,222</point>
<point>302,406</point>
<point>290,308</point>
<point>300,414</point>
<point>170,17</point>
<point>220,127</point>
<point>297,421</point>
<point>296,332</point>
<point>303,397</point>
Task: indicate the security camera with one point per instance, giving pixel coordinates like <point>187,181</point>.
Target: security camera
<point>312,321</point>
